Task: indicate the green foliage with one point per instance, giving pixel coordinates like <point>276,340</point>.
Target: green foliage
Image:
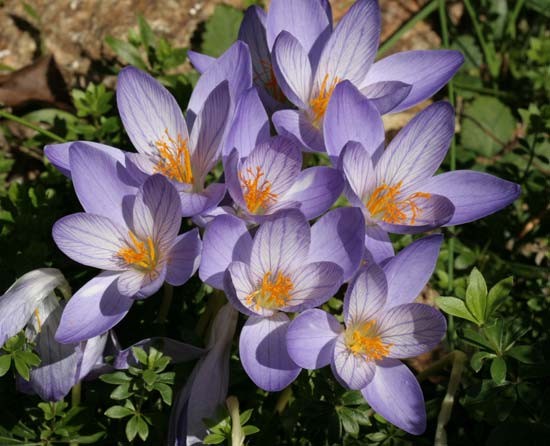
<point>221,30</point>
<point>17,351</point>
<point>222,430</point>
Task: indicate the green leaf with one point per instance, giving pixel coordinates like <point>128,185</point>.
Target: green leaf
<point>214,439</point>
<point>115,378</point>
<point>352,398</point>
<point>498,370</point>
<point>127,52</point>
<point>140,355</point>
<point>476,295</point>
<point>145,32</point>
<point>5,364</point>
<point>21,367</point>
<point>149,376</point>
<point>527,354</point>
<point>488,125</point>
<point>498,292</point>
<point>118,412</point>
<point>29,357</point>
<point>477,360</point>
<point>221,30</point>
<point>132,428</point>
<point>88,439</point>
<point>121,392</point>
<point>455,307</point>
<point>349,423</point>
<point>165,392</point>
<point>142,428</point>
<point>245,416</point>
<point>250,430</point>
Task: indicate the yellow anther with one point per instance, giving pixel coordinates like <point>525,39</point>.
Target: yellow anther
<point>320,102</point>
<point>175,160</point>
<point>274,293</point>
<point>139,254</point>
<point>364,340</point>
<point>256,192</point>
<point>37,315</point>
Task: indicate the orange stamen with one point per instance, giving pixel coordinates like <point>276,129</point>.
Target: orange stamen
<point>274,293</point>
<point>175,160</point>
<point>319,103</point>
<point>364,340</point>
<point>271,84</point>
<point>37,315</point>
<point>139,254</point>
<point>385,204</point>
<point>257,192</point>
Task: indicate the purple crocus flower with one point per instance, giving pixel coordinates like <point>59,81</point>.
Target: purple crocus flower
<point>284,269</point>
<point>138,251</point>
<point>395,187</point>
<point>381,326</point>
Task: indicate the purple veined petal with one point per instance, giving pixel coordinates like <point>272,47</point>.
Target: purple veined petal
<point>263,353</point>
<point>233,66</point>
<point>419,148</point>
<point>474,194</point>
<point>100,180</point>
<point>250,125</point>
<point>224,208</point>
<point>176,350</point>
<point>350,50</point>
<point>431,213</point>
<point>357,167</point>
<point>395,394</point>
<point>19,302</point>
<point>378,244</point>
<point>281,244</point>
<point>92,353</point>
<point>140,166</point>
<point>310,338</point>
<point>131,281</point>
<point>58,154</point>
<point>232,167</point>
<point>365,296</point>
<point>411,329</point>
<point>409,271</point>
<point>95,308</point>
<point>426,70</point>
<point>239,283</point>
<point>314,284</point>
<point>338,236</point>
<point>208,132</point>
<point>157,214</point>
<point>90,239</point>
<point>292,69</point>
<point>297,124</point>
<point>57,372</point>
<point>385,96</point>
<point>316,189</point>
<point>226,239</point>
<point>352,371</point>
<point>197,203</point>
<point>253,33</point>
<point>351,117</point>
<point>152,282</point>
<point>184,258</point>
<point>148,111</point>
<point>201,62</point>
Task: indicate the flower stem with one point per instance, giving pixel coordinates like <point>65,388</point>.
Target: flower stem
<point>284,399</point>
<point>5,114</point>
<point>237,435</point>
<point>168,294</point>
<point>76,393</point>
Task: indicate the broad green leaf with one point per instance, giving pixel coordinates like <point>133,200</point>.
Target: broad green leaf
<point>527,354</point>
<point>349,423</point>
<point>140,355</point>
<point>498,370</point>
<point>132,428</point>
<point>250,430</point>
<point>121,392</point>
<point>214,439</point>
<point>89,439</point>
<point>29,357</point>
<point>477,360</point>
<point>165,392</point>
<point>115,378</point>
<point>488,125</point>
<point>21,367</point>
<point>498,292</point>
<point>118,412</point>
<point>352,398</point>
<point>142,428</point>
<point>476,295</point>
<point>149,376</point>
<point>455,307</point>
<point>221,30</point>
<point>5,364</point>
<point>245,416</point>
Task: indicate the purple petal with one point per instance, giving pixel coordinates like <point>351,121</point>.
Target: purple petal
<point>252,32</point>
<point>314,284</point>
<point>351,48</point>
<point>338,237</point>
<point>419,148</point>
<point>131,281</point>
<point>411,329</point>
<point>262,349</point>
<point>233,66</point>
<point>95,308</point>
<point>395,394</point>
<point>184,258</point>
<point>281,244</point>
<point>297,124</point>
<point>238,284</point>
<point>352,371</point>
<point>473,194</point>
<point>197,203</point>
<point>358,169</point>
<point>208,131</point>
<point>100,181</point>
<point>316,189</point>
<point>365,296</point>
<point>148,110</point>
<point>409,271</point>
<point>151,282</point>
<point>90,239</point>
<point>351,117</point>
<point>92,355</point>
<point>292,69</point>
<point>385,96</point>
<point>427,71</point>
<point>226,239</point>
<point>310,338</point>
<point>201,62</point>
<point>250,125</point>
<point>378,244</point>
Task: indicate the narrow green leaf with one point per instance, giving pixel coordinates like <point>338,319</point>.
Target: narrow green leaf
<point>145,32</point>
<point>142,428</point>
<point>132,428</point>
<point>121,392</point>
<point>477,360</point>
<point>214,439</point>
<point>127,52</point>
<point>88,439</point>
<point>21,367</point>
<point>455,307</point>
<point>250,430</point>
<point>118,412</point>
<point>115,378</point>
<point>245,416</point>
<point>498,292</point>
<point>498,370</point>
<point>476,295</point>
<point>5,364</point>
<point>527,354</point>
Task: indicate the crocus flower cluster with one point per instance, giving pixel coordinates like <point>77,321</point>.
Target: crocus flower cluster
<point>273,239</point>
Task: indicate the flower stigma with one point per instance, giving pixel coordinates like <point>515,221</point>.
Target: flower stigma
<point>256,192</point>
<point>320,102</point>
<point>363,339</point>
<point>275,292</point>
<point>385,204</point>
<point>175,159</point>
<point>141,255</point>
